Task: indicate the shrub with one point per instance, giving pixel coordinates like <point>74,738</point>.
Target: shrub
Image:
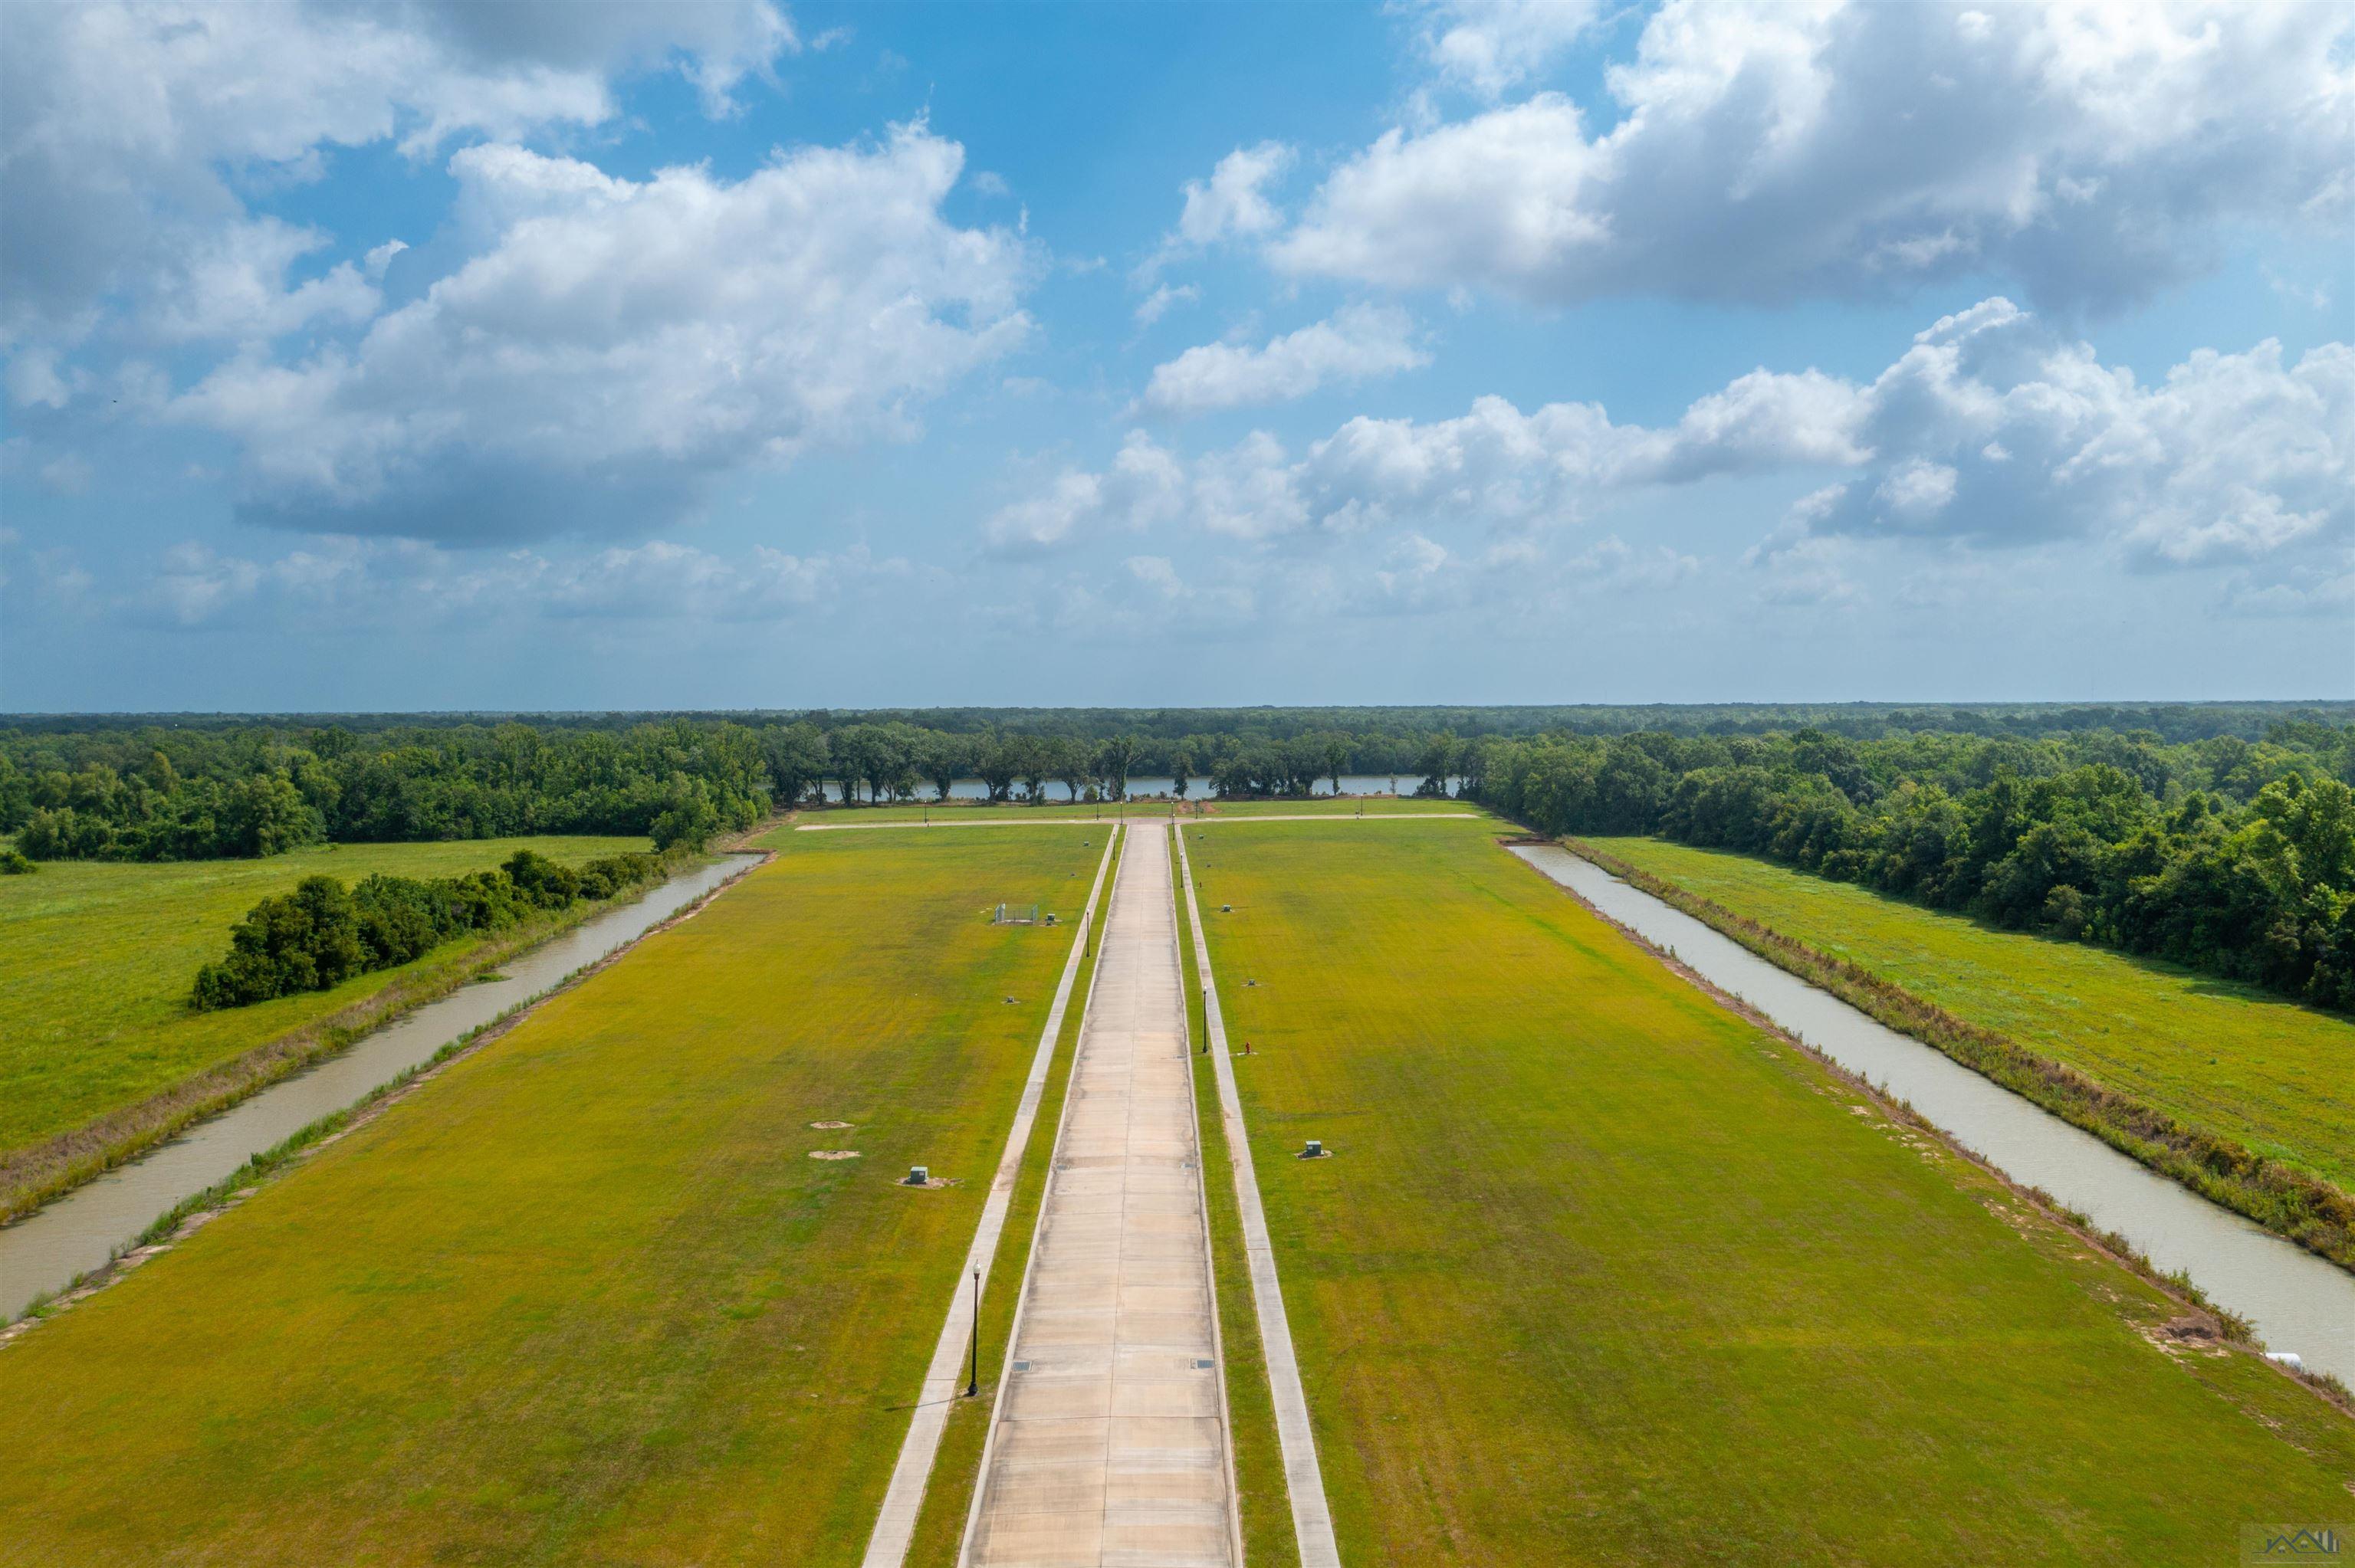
<point>319,935</point>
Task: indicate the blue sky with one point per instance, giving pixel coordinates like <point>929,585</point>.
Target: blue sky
<point>456,356</point>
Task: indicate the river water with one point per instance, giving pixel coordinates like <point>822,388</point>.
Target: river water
<point>1145,787</point>
<point>83,1229</point>
<point>2296,1300</point>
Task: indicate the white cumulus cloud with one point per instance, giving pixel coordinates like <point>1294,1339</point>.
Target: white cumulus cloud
<point>127,130</point>
<point>618,342</point>
<point>1490,45</point>
<point>1233,200</point>
<point>1356,344</point>
<point>1991,428</point>
<point>1768,151</point>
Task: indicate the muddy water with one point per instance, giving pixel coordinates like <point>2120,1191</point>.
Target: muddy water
<point>83,1229</point>
<point>2296,1301</point>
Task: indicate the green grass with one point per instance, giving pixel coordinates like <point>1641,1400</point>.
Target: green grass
<point>96,959</point>
<point>1325,806</point>
<point>2272,1075</point>
<point>1601,1273</point>
<point>1265,1503</point>
<point>584,1298</point>
<point>962,809</point>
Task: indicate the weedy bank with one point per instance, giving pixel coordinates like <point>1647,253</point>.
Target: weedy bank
<point>1594,1262</point>
<point>587,1296</point>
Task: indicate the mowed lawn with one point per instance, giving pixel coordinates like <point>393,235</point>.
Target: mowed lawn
<point>2267,1073</point>
<point>96,959</point>
<point>585,1297</point>
<point>1599,1273</point>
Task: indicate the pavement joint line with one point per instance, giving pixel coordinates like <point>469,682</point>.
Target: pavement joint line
<point>903,1500</point>
<point>1312,1514</point>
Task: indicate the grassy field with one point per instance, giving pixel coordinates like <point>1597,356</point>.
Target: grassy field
<point>1601,1273</point>
<point>584,1297</point>
<point>2271,1075</point>
<point>1264,1504</point>
<point>96,959</point>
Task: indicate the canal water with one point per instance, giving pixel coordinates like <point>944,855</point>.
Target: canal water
<point>86,1227</point>
<point>2296,1300</point>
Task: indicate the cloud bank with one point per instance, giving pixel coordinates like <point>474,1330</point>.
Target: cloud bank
<point>615,343</point>
<point>1767,151</point>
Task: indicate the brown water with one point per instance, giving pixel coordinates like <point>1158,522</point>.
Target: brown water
<point>2296,1300</point>
<point>88,1227</point>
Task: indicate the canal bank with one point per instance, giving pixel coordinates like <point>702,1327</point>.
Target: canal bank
<point>2296,1301</point>
<point>49,1250</point>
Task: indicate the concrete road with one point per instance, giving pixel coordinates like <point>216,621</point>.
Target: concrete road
<point>1109,1444</point>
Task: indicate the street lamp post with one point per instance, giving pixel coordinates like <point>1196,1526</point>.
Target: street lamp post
<point>973,1383</point>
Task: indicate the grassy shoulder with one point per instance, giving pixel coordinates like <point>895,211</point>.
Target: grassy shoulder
<point>956,1468</point>
<point>1597,1262</point>
<point>1264,1500</point>
<point>1343,805</point>
<point>2245,1096</point>
<point>586,1296</point>
<point>96,959</point>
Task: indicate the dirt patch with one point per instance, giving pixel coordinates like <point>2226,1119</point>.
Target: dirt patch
<point>833,1154</point>
<point>2193,1330</point>
<point>828,1126</point>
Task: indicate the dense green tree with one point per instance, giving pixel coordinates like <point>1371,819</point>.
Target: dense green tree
<point>1114,760</point>
<point>945,759</point>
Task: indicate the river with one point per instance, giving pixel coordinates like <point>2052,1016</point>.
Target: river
<point>2296,1300</point>
<point>82,1230</point>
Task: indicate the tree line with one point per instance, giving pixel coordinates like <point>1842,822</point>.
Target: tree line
<point>209,792</point>
<point>2231,856</point>
<point>2187,837</point>
<point>198,794</point>
<point>322,933</point>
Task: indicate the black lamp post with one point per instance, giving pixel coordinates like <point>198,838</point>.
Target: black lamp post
<point>973,1384</point>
